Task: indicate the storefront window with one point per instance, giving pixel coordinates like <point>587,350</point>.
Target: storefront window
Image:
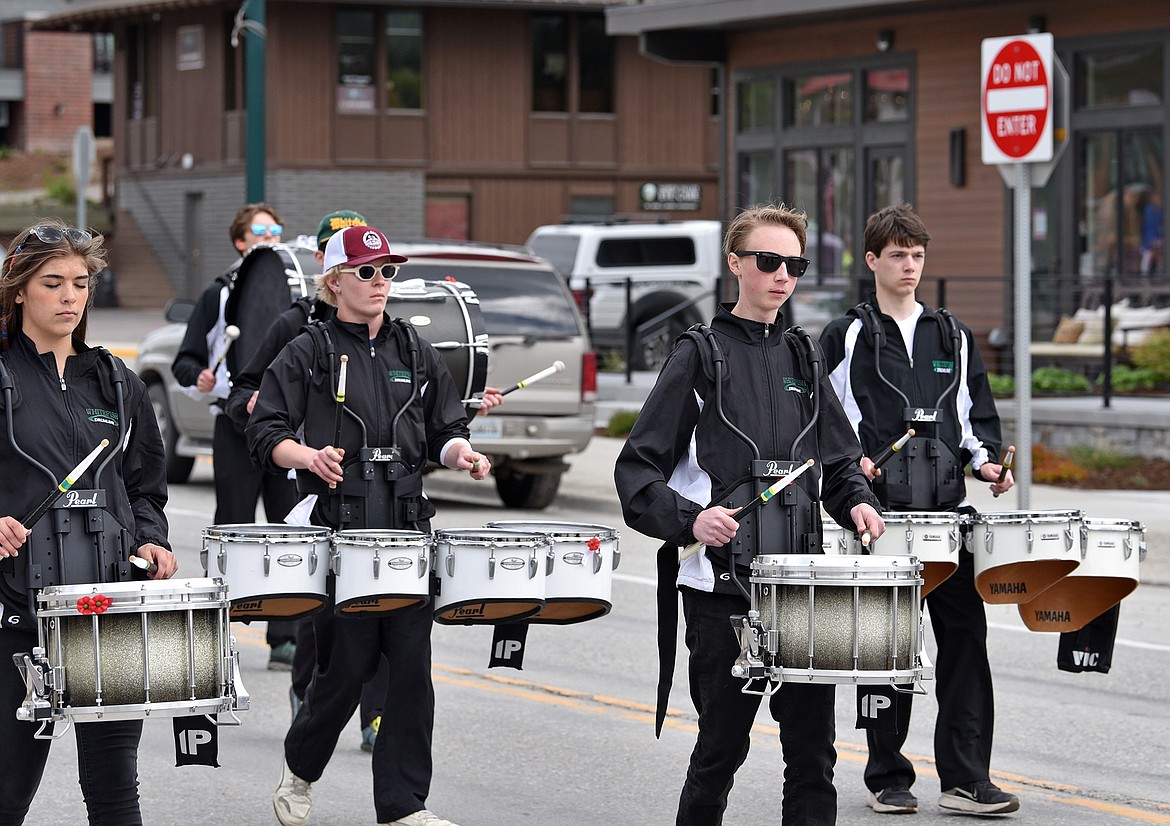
<point>550,63</point>
<point>404,43</point>
<point>820,100</point>
<point>355,61</point>
<point>757,101</point>
<point>755,178</point>
<point>1120,77</point>
<point>595,56</point>
<point>887,95</point>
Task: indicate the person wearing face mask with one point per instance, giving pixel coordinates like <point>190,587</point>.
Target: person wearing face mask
<point>743,394</point>
<point>206,362</point>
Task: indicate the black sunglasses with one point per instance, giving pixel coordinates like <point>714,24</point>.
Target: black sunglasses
<point>771,261</point>
<point>54,235</point>
<point>366,272</point>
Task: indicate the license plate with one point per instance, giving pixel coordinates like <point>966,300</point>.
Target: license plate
<point>486,427</point>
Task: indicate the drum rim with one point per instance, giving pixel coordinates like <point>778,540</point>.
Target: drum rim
<point>284,533</point>
<point>158,586</point>
<point>926,517</point>
<point>464,536</point>
<point>1019,517</point>
<point>1101,523</point>
<point>380,537</point>
<point>604,532</point>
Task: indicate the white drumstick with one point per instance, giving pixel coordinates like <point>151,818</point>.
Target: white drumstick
<point>555,367</point>
<point>230,334</point>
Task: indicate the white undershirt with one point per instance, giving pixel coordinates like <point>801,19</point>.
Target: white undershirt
<point>907,325</point>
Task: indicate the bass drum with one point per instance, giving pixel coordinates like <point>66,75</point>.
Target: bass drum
<point>447,315</point>
<point>269,278</point>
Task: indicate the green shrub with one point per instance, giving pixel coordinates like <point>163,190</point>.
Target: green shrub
<point>59,187</point>
<point>1093,459</point>
<point>1058,380</point>
<point>1002,387</point>
<point>1154,354</point>
<point>1126,379</point>
<point>621,423</point>
<point>611,361</point>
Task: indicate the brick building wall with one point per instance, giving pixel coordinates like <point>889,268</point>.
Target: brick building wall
<point>58,89</point>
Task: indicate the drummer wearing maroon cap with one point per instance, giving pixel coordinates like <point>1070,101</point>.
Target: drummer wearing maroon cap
<point>384,408</point>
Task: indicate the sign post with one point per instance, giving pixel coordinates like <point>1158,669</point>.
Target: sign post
<point>1017,126</point>
<point>84,155</point>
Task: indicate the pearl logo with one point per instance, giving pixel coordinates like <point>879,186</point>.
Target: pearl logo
<point>512,563</point>
<point>289,560</point>
<point>400,563</point>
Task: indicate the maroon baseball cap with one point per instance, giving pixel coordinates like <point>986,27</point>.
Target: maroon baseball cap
<point>353,246</point>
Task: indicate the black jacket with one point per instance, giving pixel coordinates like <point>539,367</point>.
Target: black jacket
<point>194,356</point>
<point>58,422</point>
<point>663,486</point>
<point>970,424</point>
<point>297,392</point>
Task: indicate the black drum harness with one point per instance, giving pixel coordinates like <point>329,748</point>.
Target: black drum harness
<point>925,474</point>
<point>95,549</point>
<point>382,484</point>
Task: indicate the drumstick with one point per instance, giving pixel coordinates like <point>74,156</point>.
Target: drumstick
<point>739,515</point>
<point>340,399</point>
<point>63,486</point>
<point>139,562</point>
<point>230,334</point>
<point>1008,458</point>
<point>555,367</point>
<point>898,444</point>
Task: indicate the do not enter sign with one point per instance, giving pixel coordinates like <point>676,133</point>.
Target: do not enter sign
<point>1017,99</point>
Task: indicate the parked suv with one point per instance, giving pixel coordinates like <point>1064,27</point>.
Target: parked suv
<point>672,267</point>
<point>530,321</point>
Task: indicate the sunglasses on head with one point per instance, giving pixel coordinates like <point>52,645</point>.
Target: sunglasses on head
<point>366,272</point>
<point>771,261</point>
<point>267,229</point>
<point>54,235</point>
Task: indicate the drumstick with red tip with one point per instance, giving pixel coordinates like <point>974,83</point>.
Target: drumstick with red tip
<point>1008,458</point>
<point>230,334</point>
<point>738,516</point>
<point>898,444</point>
<point>340,399</point>
<point>64,485</point>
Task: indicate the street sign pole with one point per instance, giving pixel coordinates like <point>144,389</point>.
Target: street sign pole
<point>84,155</point>
<point>1022,469</point>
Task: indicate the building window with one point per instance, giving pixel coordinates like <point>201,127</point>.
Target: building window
<point>572,64</point>
<point>141,54</point>
<point>887,95</point>
<point>756,178</point>
<point>103,53</point>
<point>819,100</point>
<point>1120,77</point>
<point>404,47</point>
<point>757,105</point>
<point>355,61</point>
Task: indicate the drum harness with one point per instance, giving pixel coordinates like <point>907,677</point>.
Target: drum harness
<point>381,468</point>
<point>102,549</point>
<point>939,487</point>
<point>796,518</point>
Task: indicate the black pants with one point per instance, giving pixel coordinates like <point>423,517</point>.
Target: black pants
<point>962,681</point>
<point>726,715</point>
<point>302,673</point>
<point>348,653</point>
<point>107,754</point>
<point>239,484</point>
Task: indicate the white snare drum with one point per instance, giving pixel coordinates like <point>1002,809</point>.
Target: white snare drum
<point>834,619</point>
<point>273,572</point>
<point>132,650</point>
<point>376,571</point>
<point>836,540</point>
<point>1111,550</point>
<point>579,583</point>
<point>488,576</point>
<point>932,537</point>
<point>1018,554</point>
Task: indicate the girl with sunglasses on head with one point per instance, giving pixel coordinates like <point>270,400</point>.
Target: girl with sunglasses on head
<point>207,362</point>
<point>733,401</point>
<point>362,454</point>
<point>60,398</point>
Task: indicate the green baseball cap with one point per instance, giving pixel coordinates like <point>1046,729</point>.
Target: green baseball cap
<point>335,221</point>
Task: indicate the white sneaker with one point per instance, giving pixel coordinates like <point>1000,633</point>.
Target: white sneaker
<point>293,798</point>
<point>420,818</point>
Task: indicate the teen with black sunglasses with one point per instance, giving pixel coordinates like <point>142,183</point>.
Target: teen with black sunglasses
<point>238,482</point>
<point>60,398</point>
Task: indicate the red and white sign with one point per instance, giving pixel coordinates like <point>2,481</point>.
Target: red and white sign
<point>1017,99</point>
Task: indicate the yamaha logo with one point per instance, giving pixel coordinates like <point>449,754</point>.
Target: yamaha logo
<point>289,560</point>
<point>932,537</point>
<point>573,558</point>
<point>73,499</point>
<point>1049,537</point>
<point>399,563</point>
<point>512,563</point>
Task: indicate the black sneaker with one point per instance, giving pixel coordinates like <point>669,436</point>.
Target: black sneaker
<point>280,657</point>
<point>895,800</point>
<point>979,798</point>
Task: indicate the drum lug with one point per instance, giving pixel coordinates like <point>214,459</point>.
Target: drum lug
<point>422,564</point>
<point>1068,539</point>
<point>377,564</point>
<point>335,562</point>
<point>492,564</point>
<point>312,562</point>
<point>909,541</point>
<point>956,539</point>
<point>1028,535</point>
<point>617,557</point>
<point>221,561</point>
<point>450,563</point>
<point>550,561</point>
<point>534,565</point>
<point>597,560</point>
<point>267,561</point>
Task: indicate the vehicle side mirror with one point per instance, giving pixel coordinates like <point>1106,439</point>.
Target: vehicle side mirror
<point>178,310</point>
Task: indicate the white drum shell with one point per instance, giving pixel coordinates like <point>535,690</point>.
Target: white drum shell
<point>833,619</point>
<point>933,537</point>
<point>1018,554</point>
<point>579,581</point>
<point>377,571</point>
<point>162,648</point>
<point>488,576</point>
<point>273,572</point>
